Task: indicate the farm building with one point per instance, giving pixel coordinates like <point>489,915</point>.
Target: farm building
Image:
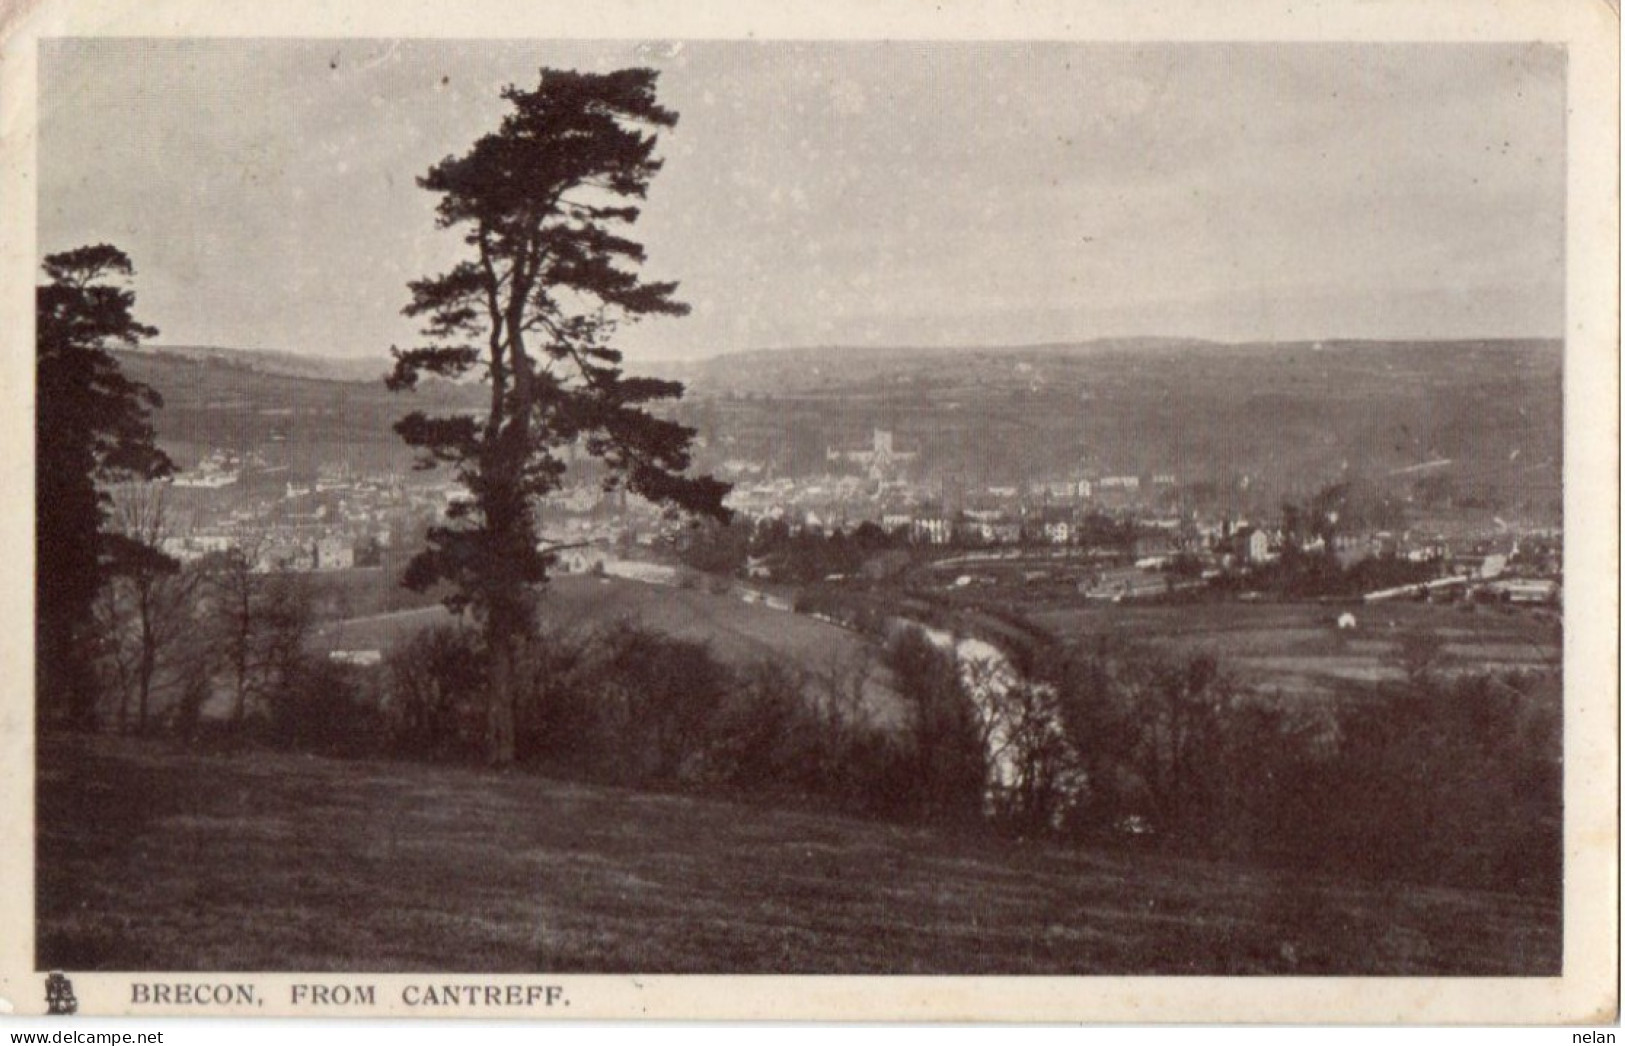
<point>579,560</point>
<point>1527,590</point>
<point>361,658</point>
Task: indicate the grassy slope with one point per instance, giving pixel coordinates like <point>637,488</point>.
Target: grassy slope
<point>150,858</point>
<point>738,632</point>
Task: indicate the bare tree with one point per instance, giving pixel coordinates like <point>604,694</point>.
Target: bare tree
<point>1179,706</point>
<point>840,698</point>
<point>147,607</point>
<point>1034,771</point>
<point>115,653</point>
<point>233,590</point>
<point>263,616</point>
<point>284,618</point>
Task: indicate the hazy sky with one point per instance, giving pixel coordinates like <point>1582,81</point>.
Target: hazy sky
<point>919,194</point>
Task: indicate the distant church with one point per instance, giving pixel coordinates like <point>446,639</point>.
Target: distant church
<point>883,457</point>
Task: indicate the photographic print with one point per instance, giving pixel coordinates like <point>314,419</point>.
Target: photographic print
<point>533,524</point>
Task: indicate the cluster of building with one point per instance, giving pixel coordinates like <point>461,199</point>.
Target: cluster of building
<point>1140,521</point>
<point>879,482</point>
<point>335,519</point>
<point>339,518</point>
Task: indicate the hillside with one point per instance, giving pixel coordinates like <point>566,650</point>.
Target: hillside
<point>1276,419</point>
<point>294,410</point>
<point>1247,424</point>
<point>153,858</point>
<point>737,633</point>
<point>283,364</point>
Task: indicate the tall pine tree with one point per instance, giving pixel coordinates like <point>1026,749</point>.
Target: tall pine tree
<point>542,204</point>
<point>92,426</point>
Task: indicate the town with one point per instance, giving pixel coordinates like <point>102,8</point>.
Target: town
<point>1105,536</point>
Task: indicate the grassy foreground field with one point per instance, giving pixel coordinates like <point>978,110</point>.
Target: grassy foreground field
<point>153,858</point>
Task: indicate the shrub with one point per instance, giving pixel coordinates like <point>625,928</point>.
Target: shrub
<point>329,709</point>
<point>762,740</point>
<point>1448,780</point>
<point>669,690</point>
<point>1156,737</point>
<point>785,734</point>
<point>623,704</point>
<point>434,706</point>
<point>1444,781</point>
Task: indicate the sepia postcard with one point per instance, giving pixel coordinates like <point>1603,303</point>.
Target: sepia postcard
<point>889,512</point>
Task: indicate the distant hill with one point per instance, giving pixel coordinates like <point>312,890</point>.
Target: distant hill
<point>1265,419</point>
<point>1276,418</point>
<point>285,364</point>
<point>300,411</point>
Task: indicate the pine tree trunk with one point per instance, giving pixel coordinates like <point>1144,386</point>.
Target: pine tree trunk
<point>507,620</point>
<point>149,665</point>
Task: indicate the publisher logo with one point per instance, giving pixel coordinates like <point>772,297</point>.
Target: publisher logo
<point>59,997</point>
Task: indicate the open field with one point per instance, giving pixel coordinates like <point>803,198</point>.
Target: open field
<point>153,858</point>
<point>1297,648</point>
<point>738,632</point>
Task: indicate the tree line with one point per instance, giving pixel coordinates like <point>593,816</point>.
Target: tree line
<point>1441,778</point>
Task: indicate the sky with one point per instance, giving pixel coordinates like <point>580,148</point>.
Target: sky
<point>873,194</point>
